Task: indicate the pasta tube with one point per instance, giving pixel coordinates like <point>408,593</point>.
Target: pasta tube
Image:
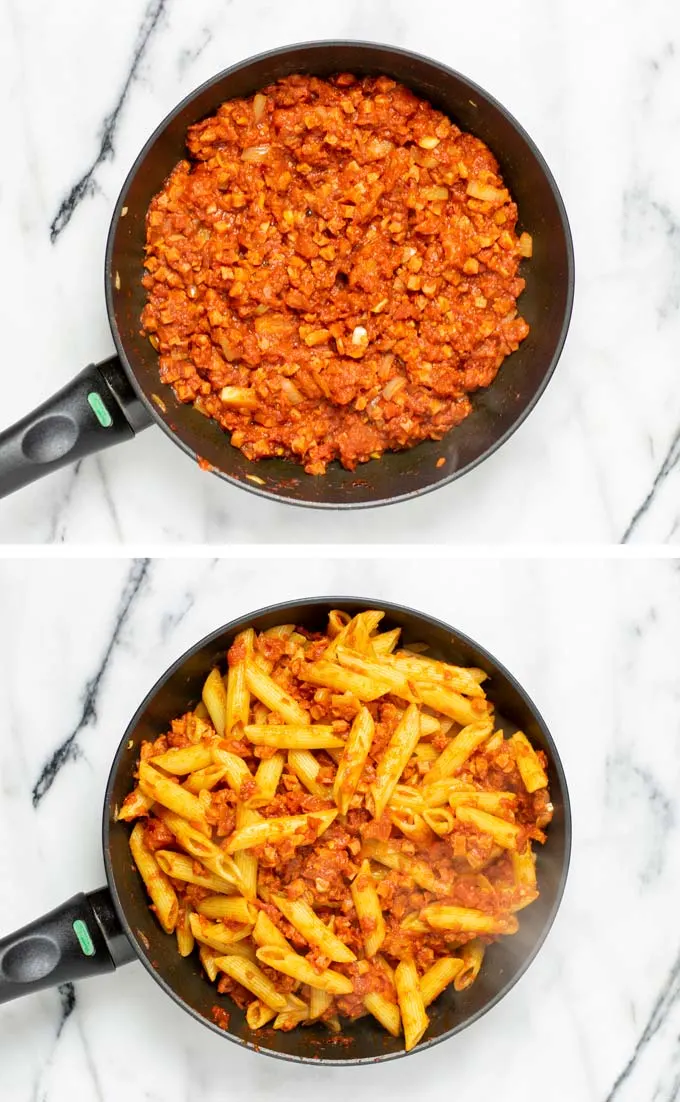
<point>172,795</point>
<point>394,760</point>
<point>413,1016</point>
<point>314,931</point>
<point>291,964</point>
<point>458,751</point>
<point>369,911</point>
<point>530,769</point>
<point>351,764</point>
<point>276,699</point>
<point>163,895</point>
<point>293,737</point>
<point>274,830</point>
<point>215,700</point>
<point>253,979</point>
<point>440,975</point>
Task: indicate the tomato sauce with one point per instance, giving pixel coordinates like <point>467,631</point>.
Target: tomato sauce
<point>332,271</point>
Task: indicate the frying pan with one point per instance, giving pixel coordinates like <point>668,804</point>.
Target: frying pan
<point>98,931</point>
<point>109,402</point>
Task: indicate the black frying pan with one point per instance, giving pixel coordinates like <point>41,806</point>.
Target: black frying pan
<point>96,932</point>
<point>111,401</point>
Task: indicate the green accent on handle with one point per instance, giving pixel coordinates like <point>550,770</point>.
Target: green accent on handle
<point>96,403</point>
<point>84,940</point>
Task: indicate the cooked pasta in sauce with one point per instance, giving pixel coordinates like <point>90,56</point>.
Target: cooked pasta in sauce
<point>334,845</point>
<point>332,271</point>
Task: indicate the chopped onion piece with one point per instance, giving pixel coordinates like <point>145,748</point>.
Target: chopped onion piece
<point>255,153</point>
<point>241,397</point>
<point>393,386</point>
<point>291,391</point>
<point>259,104</point>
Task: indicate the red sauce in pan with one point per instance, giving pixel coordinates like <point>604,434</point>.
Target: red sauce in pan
<point>343,260</point>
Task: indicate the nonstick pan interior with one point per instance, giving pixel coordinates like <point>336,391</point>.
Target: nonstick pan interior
<point>365,1040</point>
<point>498,410</point>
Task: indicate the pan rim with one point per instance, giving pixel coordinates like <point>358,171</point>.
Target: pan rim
<point>445,480</point>
<point>288,607</point>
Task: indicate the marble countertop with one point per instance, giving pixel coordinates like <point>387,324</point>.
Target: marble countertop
<point>597,86</point>
<point>596,1017</point>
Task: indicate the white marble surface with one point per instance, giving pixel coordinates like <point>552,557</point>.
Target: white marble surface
<point>598,87</point>
<point>596,1017</point>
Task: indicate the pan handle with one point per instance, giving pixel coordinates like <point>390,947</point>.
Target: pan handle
<point>95,410</point>
<point>81,938</point>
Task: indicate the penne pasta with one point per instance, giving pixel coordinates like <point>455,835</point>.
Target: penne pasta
<point>411,824</point>
<point>340,872</point>
<point>395,758</point>
<point>368,908</point>
<point>531,771</point>
<point>384,1011</point>
<point>172,796</point>
<point>333,676</point>
<point>466,920</point>
<point>179,762</point>
<point>337,620</point>
<point>296,1012</point>
<point>233,908</point>
<point>215,700</point>
<point>458,678</point>
<point>319,1002</point>
<point>293,737</point>
<point>291,964</point>
<point>440,975</point>
<point>503,833</point>
<point>407,796</point>
<point>461,746</point>
<point>204,780</point>
<point>196,844</point>
<point>385,642</point>
<point>439,819</point>
<point>314,931</point>
<point>267,780</point>
<point>185,938</point>
<point>274,697</point>
<point>430,725</point>
<point>245,861</point>
<point>306,768</point>
<point>181,867</point>
<point>238,694</point>
<point>271,831</point>
<point>236,772</point>
<point>452,704</point>
<point>163,895</point>
<point>355,633</point>
<point>496,802</point>
<point>388,854</point>
<point>472,956</point>
<point>257,1014</point>
<point>207,957</point>
<point>524,869</point>
<point>215,934</point>
<point>136,803</point>
<point>266,933</point>
<point>253,979</point>
<point>351,764</point>
<point>415,1020</point>
<point>360,629</point>
<point>377,672</point>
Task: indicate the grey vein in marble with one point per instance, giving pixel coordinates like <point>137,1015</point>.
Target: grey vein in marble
<point>68,749</point>
<point>670,461</point>
<point>666,1002</point>
<point>85,185</point>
